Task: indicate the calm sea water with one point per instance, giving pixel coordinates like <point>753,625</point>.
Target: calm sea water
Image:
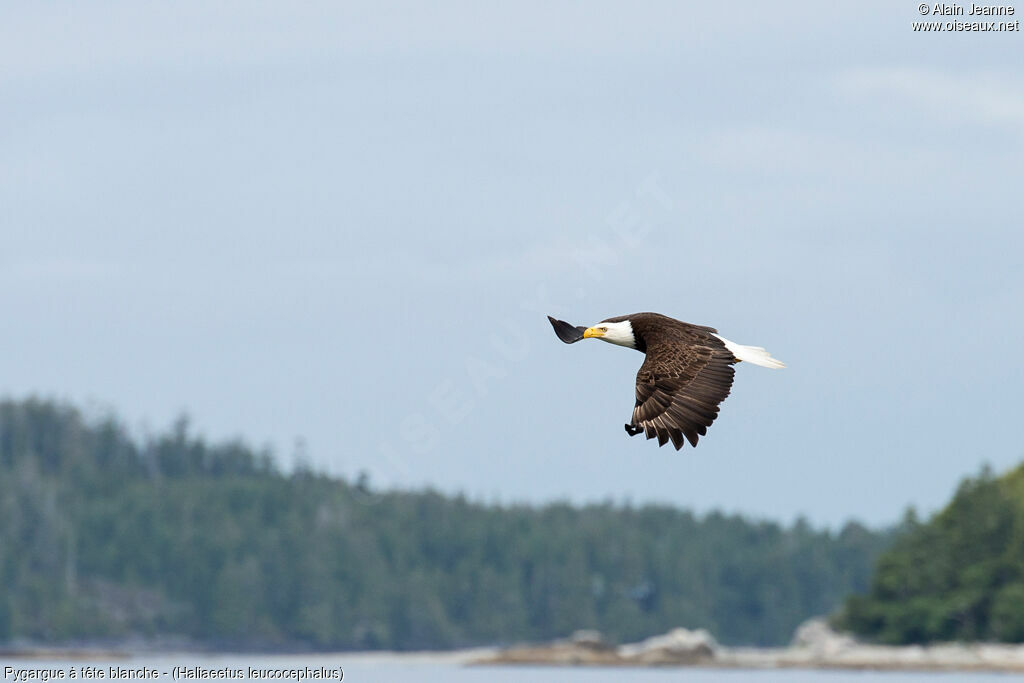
<point>385,668</point>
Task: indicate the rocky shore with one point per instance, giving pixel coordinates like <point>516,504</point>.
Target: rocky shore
<point>814,646</point>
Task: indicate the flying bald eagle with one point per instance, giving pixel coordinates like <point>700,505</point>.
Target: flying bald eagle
<point>687,373</point>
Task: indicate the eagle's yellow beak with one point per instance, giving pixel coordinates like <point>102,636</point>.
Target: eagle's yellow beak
<point>592,332</point>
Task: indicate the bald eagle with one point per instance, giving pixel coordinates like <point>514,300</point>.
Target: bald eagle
<point>687,373</point>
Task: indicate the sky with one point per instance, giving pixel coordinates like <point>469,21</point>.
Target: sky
<point>335,229</point>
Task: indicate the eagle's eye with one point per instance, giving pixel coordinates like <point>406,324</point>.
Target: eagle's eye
<point>603,329</point>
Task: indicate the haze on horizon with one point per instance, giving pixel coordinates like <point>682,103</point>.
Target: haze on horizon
<point>346,224</point>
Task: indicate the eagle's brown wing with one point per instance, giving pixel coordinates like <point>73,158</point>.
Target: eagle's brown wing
<point>678,389</point>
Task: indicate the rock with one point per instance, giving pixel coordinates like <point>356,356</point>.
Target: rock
<point>678,646</point>
<point>818,637</point>
<point>591,640</point>
<point>561,653</point>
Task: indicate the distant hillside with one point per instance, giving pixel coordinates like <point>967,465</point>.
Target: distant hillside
<point>960,576</point>
<point>103,536</point>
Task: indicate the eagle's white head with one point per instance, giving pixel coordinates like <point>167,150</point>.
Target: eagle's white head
<point>620,333</point>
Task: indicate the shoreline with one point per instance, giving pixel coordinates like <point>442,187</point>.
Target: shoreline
<point>679,648</point>
<point>774,659</point>
<point>815,647</point>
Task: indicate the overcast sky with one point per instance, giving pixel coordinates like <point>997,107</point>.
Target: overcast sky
<point>346,223</point>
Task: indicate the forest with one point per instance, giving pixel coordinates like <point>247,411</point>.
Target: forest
<point>107,536</point>
<point>958,576</point>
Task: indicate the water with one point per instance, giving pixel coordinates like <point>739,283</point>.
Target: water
<point>445,668</point>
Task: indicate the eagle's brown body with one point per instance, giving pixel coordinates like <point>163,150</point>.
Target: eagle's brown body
<point>687,373</point>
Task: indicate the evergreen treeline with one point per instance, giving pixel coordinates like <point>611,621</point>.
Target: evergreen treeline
<point>103,536</point>
<point>960,576</point>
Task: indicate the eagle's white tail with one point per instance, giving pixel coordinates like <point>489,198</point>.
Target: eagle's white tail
<point>752,354</point>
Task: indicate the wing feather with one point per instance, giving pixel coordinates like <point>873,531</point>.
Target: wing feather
<point>680,386</point>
